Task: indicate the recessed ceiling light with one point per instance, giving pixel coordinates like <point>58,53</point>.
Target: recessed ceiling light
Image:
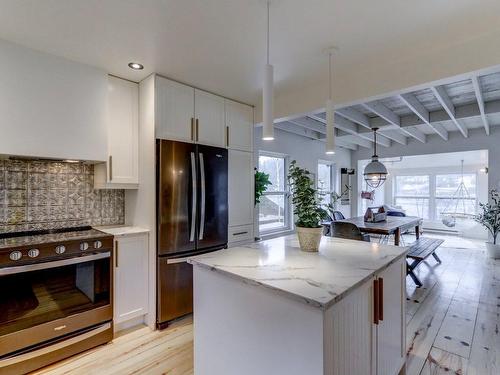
<point>135,66</point>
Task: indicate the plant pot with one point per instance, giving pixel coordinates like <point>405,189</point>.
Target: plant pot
<point>309,238</point>
<point>493,250</point>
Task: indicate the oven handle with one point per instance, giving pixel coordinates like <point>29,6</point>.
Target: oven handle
<point>57,346</point>
<point>56,263</point>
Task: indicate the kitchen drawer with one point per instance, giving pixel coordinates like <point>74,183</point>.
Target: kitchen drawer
<point>240,233</point>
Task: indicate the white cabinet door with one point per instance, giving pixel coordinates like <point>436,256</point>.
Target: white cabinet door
<point>123,131</point>
<point>174,110</point>
<point>239,121</point>
<point>241,188</point>
<point>391,329</point>
<point>349,329</point>
<point>131,277</point>
<point>209,113</point>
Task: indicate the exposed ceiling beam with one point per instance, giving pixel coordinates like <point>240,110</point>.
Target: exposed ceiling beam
<point>480,103</point>
<point>355,116</point>
<point>395,136</point>
<point>309,124</point>
<point>351,128</point>
<point>392,118</point>
<point>446,103</point>
<point>412,102</point>
<point>356,140</point>
<point>310,134</point>
<point>299,130</point>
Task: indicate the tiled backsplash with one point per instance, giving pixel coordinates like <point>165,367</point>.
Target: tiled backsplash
<point>47,194</point>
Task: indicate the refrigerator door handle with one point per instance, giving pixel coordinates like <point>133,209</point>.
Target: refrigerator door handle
<point>202,205</point>
<point>194,194</point>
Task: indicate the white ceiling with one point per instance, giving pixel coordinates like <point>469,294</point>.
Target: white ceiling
<point>219,45</point>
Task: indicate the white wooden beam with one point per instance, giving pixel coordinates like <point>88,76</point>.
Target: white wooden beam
<point>395,136</point>
<point>308,123</point>
<point>392,118</point>
<point>356,140</point>
<point>446,103</point>
<point>412,102</point>
<point>310,134</point>
<point>480,103</point>
<point>351,128</point>
<point>355,116</point>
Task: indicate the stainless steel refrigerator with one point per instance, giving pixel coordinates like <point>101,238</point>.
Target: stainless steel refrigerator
<point>192,218</point>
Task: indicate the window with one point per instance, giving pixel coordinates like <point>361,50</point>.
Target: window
<point>446,187</point>
<point>274,204</point>
<point>412,193</point>
<point>326,180</point>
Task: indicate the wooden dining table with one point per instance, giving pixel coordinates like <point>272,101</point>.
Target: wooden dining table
<point>392,225</point>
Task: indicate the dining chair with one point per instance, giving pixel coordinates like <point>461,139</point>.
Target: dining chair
<point>348,231</point>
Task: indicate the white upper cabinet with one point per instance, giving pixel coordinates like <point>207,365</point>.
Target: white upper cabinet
<point>240,188</point>
<point>174,110</point>
<point>239,123</point>
<point>209,114</point>
<point>122,124</point>
<point>51,107</point>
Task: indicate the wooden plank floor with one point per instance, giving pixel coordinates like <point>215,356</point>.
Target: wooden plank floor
<point>452,325</point>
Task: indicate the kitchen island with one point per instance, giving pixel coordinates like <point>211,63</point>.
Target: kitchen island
<point>269,308</point>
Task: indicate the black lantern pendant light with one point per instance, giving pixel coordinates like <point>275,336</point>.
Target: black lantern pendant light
<point>375,172</point>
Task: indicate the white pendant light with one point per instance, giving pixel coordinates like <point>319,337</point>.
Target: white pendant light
<point>267,94</point>
<point>330,113</point>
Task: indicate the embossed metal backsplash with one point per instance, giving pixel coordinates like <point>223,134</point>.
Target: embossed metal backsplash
<point>45,195</point>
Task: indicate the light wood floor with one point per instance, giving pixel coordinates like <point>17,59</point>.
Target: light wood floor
<point>452,325</point>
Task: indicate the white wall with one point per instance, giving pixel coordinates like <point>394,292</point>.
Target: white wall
<point>307,152</point>
<point>51,107</point>
<point>477,140</point>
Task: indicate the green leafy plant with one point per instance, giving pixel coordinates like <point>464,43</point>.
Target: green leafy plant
<point>489,216</point>
<point>334,199</point>
<point>261,183</point>
<point>305,198</point>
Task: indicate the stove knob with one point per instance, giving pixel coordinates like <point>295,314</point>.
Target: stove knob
<point>15,255</point>
<point>60,249</point>
<point>97,244</point>
<point>84,246</point>
<point>33,253</point>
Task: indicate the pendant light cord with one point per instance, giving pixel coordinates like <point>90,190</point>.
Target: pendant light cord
<point>268,3</point>
<point>375,141</point>
<point>330,76</point>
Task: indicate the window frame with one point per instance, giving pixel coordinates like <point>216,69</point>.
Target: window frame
<point>287,222</point>
<point>432,197</point>
<point>333,179</point>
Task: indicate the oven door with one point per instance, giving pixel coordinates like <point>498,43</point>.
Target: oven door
<point>43,301</point>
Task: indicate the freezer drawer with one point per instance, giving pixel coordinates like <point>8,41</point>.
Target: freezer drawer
<point>175,289</point>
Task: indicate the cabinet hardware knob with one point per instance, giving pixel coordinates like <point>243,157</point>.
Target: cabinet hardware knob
<point>110,168</point>
<point>375,302</point>
<point>116,254</point>
<point>381,298</point>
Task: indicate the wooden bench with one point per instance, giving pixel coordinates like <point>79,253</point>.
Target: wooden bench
<point>418,252</point>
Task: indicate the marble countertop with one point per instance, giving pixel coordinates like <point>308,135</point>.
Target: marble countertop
<point>122,230</point>
<point>318,279</point>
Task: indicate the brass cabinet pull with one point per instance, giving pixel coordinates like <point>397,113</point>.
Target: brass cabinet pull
<point>197,129</point>
<point>375,302</point>
<point>192,128</point>
<point>381,298</point>
<point>116,254</point>
<point>110,167</point>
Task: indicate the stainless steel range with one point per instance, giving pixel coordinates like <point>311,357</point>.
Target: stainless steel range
<point>55,296</point>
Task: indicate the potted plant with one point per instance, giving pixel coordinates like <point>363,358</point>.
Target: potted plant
<point>261,183</point>
<point>306,207</point>
<point>489,217</point>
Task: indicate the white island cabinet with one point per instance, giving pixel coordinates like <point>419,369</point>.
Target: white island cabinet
<point>269,308</point>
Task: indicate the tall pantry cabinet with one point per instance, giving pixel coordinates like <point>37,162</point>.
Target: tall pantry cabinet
<point>188,114</point>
